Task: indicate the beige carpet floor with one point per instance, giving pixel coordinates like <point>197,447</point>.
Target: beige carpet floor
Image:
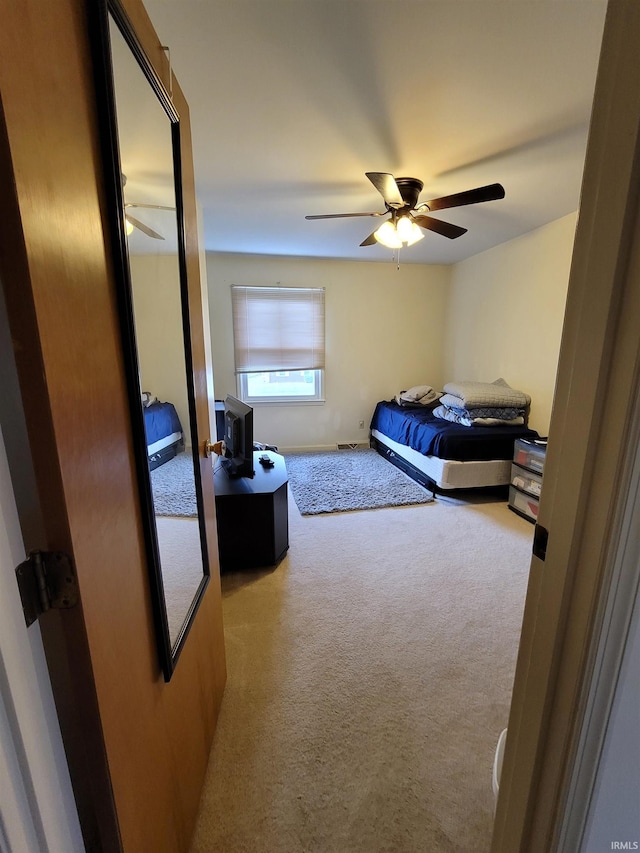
<point>370,676</point>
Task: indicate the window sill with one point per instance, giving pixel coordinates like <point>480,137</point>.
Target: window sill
<point>280,402</point>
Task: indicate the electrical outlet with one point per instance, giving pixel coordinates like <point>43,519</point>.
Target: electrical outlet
<point>361,424</point>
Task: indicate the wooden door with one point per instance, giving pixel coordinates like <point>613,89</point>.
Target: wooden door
<point>137,747</point>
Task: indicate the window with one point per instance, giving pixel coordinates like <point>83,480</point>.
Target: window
<point>278,337</point>
<point>281,385</point>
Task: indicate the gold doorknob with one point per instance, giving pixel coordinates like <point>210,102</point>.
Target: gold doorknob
<point>210,448</point>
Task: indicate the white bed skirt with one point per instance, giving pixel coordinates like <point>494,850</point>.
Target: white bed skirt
<point>157,446</point>
<point>450,474</point>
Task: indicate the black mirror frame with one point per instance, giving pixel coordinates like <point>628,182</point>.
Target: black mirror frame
<point>99,12</point>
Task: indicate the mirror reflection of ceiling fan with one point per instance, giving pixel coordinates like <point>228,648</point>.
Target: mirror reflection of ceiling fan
<point>407,217</point>
<point>132,222</point>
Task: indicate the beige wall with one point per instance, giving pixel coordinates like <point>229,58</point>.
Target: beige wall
<point>384,331</point>
<point>497,314</point>
<point>505,314</point>
<point>156,296</point>
<point>159,330</point>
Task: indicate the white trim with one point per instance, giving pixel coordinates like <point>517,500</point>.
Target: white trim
<point>608,647</point>
<point>306,448</point>
<point>37,799</point>
<point>288,402</point>
<point>17,828</point>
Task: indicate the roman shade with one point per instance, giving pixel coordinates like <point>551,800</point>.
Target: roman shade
<point>277,328</point>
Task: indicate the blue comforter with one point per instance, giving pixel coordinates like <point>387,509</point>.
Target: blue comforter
<point>160,420</point>
<point>422,431</point>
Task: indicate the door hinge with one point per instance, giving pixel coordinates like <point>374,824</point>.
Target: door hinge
<point>540,542</point>
<point>47,581</point>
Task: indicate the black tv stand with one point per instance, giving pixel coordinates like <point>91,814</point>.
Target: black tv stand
<point>252,515</point>
<point>232,470</point>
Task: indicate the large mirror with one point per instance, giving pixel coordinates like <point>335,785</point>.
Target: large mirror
<point>142,141</point>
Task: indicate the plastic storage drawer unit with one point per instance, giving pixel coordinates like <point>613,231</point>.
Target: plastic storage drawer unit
<point>525,505</point>
<point>530,453</point>
<point>525,480</point>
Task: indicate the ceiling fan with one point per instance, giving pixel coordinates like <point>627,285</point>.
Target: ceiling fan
<point>407,217</point>
<point>132,222</point>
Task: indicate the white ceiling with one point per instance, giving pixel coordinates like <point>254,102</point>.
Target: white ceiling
<point>292,101</point>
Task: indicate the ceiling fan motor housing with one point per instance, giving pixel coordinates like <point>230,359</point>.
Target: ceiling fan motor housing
<point>410,189</point>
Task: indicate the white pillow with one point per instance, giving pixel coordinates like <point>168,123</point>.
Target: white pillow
<point>420,394</point>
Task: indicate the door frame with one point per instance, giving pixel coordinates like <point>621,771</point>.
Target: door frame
<point>37,810</point>
<point>588,467</point>
<point>613,643</point>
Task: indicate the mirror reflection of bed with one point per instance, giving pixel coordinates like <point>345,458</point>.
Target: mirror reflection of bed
<point>147,172</point>
<point>174,497</point>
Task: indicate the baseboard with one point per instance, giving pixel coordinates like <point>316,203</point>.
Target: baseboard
<point>307,448</point>
<point>342,445</point>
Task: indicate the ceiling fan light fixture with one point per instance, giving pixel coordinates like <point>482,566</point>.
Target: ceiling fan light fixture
<point>388,236</point>
<point>128,226</point>
<point>416,236</point>
<point>408,232</point>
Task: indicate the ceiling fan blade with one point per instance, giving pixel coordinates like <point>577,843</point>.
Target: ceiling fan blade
<point>370,240</point>
<point>440,227</point>
<point>387,187</point>
<point>491,192</point>
<point>144,228</point>
<point>148,206</point>
<point>342,215</point>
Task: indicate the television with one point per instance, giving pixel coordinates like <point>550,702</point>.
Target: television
<point>238,438</point>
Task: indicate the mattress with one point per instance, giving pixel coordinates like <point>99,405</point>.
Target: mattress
<point>420,430</point>
<point>160,422</point>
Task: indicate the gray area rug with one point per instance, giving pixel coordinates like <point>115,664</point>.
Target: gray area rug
<point>174,488</point>
<point>346,480</point>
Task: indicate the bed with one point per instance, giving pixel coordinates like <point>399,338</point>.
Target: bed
<point>437,453</point>
<point>164,433</point>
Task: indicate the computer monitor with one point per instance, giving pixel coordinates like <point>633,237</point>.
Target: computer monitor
<point>238,438</point>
